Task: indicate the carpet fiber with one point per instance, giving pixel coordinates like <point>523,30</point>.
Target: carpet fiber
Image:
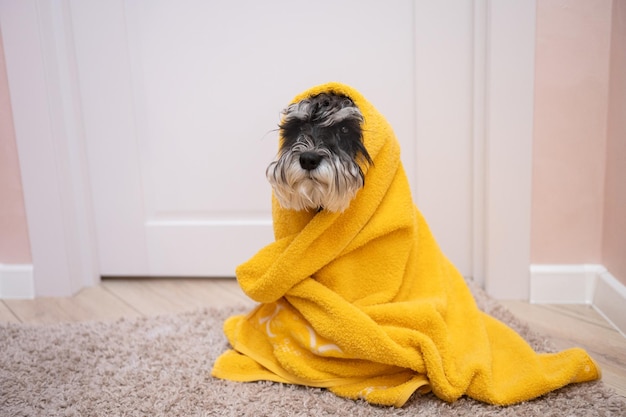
<point>160,366</point>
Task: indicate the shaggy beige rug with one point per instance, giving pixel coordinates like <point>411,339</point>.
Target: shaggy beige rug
<point>160,366</point>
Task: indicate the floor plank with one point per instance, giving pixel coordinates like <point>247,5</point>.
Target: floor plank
<point>6,316</point>
<point>89,304</point>
<point>156,296</point>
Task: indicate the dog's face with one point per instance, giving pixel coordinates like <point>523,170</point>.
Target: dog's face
<point>318,163</point>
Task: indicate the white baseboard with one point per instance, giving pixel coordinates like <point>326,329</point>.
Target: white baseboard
<point>16,281</point>
<point>580,284</point>
<point>610,300</point>
<point>563,284</point>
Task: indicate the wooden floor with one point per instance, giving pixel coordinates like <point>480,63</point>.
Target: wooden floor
<point>567,325</point>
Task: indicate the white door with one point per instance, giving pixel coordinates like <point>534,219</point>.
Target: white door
<point>181,102</point>
<point>144,127</point>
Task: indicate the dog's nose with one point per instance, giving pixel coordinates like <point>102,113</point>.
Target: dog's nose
<point>309,160</point>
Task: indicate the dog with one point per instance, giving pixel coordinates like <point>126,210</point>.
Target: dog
<point>320,162</point>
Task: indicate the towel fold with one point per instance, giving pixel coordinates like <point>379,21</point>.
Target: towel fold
<point>364,303</point>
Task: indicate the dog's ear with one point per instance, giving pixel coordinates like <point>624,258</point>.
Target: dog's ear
<point>363,155</point>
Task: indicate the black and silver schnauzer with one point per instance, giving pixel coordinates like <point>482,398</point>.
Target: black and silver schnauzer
<point>319,162</point>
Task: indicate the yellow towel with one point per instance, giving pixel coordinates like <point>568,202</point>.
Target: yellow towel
<point>365,304</point>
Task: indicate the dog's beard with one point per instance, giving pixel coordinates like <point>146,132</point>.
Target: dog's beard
<point>331,186</point>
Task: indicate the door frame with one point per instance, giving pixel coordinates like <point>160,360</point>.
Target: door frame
<point>41,68</point>
<point>41,71</point>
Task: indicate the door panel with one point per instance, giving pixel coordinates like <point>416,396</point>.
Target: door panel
<point>181,102</point>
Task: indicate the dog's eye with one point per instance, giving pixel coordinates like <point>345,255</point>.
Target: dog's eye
<point>344,130</point>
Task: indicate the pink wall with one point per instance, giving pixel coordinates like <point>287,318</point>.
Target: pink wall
<point>14,243</point>
<point>569,146</point>
<point>614,230</point>
<point>578,203</point>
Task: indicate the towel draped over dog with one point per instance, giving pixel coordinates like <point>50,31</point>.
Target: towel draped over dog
<point>365,304</point>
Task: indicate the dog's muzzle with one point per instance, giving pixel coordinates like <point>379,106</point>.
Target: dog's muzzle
<point>314,179</point>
